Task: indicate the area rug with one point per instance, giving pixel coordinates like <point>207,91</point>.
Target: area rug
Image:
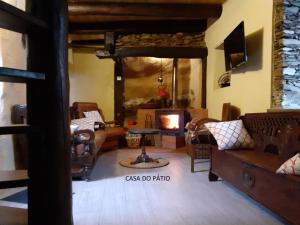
<point>148,165</point>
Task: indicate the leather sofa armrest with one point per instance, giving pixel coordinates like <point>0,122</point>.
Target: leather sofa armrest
<point>85,137</point>
<point>109,123</point>
<point>99,126</point>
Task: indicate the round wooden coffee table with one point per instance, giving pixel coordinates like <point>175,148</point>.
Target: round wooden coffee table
<point>143,157</point>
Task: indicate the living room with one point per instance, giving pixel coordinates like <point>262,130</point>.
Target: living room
<point>161,112</point>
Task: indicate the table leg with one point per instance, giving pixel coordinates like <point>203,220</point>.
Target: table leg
<point>143,157</point>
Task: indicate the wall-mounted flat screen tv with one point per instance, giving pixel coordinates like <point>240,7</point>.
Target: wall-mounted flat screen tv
<point>235,48</point>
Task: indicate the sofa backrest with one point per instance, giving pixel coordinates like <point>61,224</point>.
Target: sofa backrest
<point>277,133</point>
<point>79,107</point>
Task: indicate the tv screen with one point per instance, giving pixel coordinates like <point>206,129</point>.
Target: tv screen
<point>235,48</point>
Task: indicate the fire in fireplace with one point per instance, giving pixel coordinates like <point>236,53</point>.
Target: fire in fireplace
<point>171,121</point>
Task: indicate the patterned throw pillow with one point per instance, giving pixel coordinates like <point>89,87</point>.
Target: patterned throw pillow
<point>94,115</point>
<point>84,123</point>
<point>230,135</point>
<point>291,166</point>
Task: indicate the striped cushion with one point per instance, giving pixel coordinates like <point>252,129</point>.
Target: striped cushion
<point>291,166</point>
<point>84,123</point>
<point>94,115</point>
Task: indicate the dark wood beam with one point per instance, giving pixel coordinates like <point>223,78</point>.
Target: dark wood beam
<point>127,10</point>
<point>88,43</point>
<point>84,49</point>
<point>85,37</point>
<point>154,1</point>
<point>110,18</point>
<point>50,185</point>
<point>109,42</point>
<point>160,52</point>
<point>204,82</point>
<point>164,26</point>
<point>119,112</point>
<point>14,19</point>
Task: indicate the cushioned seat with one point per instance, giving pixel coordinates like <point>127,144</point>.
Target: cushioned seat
<point>100,136</point>
<point>268,161</point>
<point>264,160</point>
<point>114,132</point>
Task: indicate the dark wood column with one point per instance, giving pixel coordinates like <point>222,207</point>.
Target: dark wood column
<point>50,200</point>
<point>204,82</point>
<point>119,92</point>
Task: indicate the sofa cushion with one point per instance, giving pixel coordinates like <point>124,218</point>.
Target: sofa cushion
<point>291,166</point>
<point>230,135</point>
<point>84,123</point>
<point>94,115</point>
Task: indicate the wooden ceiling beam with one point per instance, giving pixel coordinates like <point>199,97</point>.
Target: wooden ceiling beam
<point>88,43</point>
<point>85,37</point>
<point>83,49</point>
<point>107,18</point>
<point>155,1</point>
<point>134,11</point>
<point>165,26</point>
<point>160,52</point>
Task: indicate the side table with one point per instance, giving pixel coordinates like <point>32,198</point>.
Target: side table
<point>143,157</point>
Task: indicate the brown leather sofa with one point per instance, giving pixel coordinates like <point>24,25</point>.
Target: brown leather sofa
<point>111,134</point>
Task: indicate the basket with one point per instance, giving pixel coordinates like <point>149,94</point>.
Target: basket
<point>133,140</point>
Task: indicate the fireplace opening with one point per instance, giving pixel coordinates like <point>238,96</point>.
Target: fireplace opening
<point>169,122</point>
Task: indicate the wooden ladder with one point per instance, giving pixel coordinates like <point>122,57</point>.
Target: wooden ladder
<point>49,175</point>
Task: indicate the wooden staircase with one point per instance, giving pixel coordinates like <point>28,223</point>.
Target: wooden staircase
<point>48,177</point>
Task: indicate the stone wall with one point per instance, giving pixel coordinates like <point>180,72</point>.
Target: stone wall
<point>161,40</point>
<point>286,54</point>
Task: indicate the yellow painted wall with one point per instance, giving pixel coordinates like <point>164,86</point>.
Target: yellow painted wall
<point>250,88</point>
<point>195,83</point>
<point>92,80</point>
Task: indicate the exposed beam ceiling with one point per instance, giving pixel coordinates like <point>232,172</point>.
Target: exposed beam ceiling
<point>90,19</point>
<point>96,16</point>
